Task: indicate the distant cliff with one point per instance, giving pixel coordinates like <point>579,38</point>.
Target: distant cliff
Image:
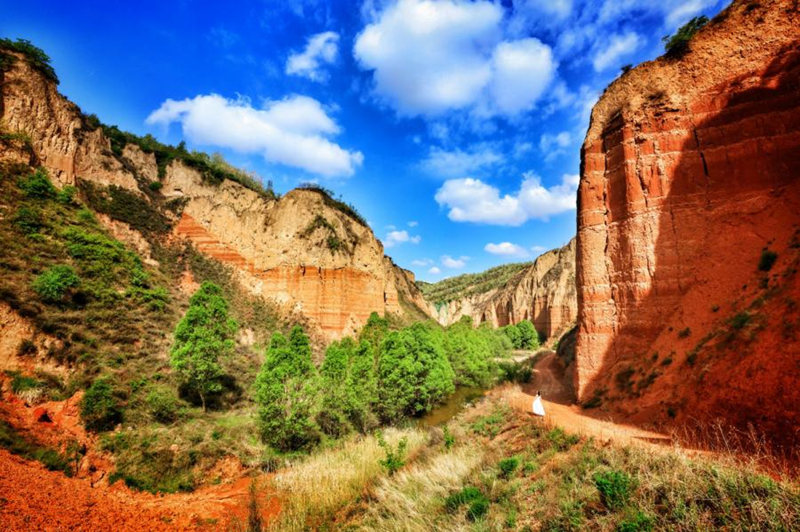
<point>307,251</point>
<point>543,292</point>
<point>688,219</point>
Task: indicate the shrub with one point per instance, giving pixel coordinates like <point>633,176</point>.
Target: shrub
<point>394,458</point>
<point>508,466</point>
<point>53,284</point>
<point>740,320</point>
<point>678,44</point>
<point>26,347</point>
<point>615,488</point>
<point>155,186</point>
<point>767,260</point>
<point>163,405</point>
<point>29,220</point>
<point>37,185</point>
<point>99,408</point>
<point>684,333</point>
<point>449,439</point>
<point>472,496</point>
<point>639,522</point>
<point>529,338</point>
<point>560,440</point>
<point>66,195</point>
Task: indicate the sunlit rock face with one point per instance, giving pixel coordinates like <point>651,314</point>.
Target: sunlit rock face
<point>544,293</point>
<point>690,168</point>
<point>300,250</point>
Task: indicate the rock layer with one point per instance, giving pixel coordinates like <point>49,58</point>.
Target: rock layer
<point>544,293</point>
<point>690,168</point>
<point>300,250</point>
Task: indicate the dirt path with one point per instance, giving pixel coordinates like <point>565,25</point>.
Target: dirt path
<point>561,411</point>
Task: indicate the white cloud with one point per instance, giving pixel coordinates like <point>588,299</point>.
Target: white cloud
<point>429,57</point>
<point>522,71</point>
<point>472,200</point>
<point>434,271</point>
<point>399,237</point>
<point>457,163</point>
<point>506,249</point>
<point>293,131</point>
<point>413,223</point>
<point>454,264</point>
<point>554,145</point>
<point>321,49</point>
<point>619,45</point>
<point>421,262</point>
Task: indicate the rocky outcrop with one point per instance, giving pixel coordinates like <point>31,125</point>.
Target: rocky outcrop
<point>300,250</point>
<point>690,169</point>
<point>544,293</point>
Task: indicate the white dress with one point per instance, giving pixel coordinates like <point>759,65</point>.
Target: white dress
<point>538,408</point>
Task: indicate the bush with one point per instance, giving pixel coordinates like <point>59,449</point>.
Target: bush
<point>560,440</point>
<point>508,466</point>
<point>29,220</point>
<point>99,408</point>
<point>678,44</point>
<point>477,501</point>
<point>66,195</point>
<point>448,438</point>
<point>394,458</point>
<point>163,405</point>
<point>767,260</point>
<point>155,186</point>
<point>615,488</point>
<point>640,522</point>
<point>53,284</point>
<point>26,348</point>
<point>37,185</point>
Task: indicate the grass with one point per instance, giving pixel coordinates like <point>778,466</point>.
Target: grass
<point>569,482</point>
<point>469,284</point>
<point>315,487</point>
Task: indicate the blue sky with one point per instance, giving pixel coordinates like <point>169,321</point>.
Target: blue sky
<point>453,126</point>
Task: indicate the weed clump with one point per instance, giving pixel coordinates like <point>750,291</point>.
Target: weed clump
<point>99,408</point>
<point>615,488</point>
<point>54,283</point>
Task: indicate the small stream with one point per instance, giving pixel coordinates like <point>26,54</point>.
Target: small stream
<point>454,404</point>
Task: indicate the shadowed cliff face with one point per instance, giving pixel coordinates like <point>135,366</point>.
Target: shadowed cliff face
<point>691,168</point>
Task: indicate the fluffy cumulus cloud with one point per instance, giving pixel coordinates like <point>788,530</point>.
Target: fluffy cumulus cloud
<point>619,46</point>
<point>294,131</point>
<point>454,263</point>
<point>506,249</point>
<point>434,270</point>
<point>321,49</point>
<point>394,238</point>
<point>472,200</point>
<point>429,57</point>
<point>455,163</point>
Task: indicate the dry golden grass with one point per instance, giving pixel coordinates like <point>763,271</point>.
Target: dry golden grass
<point>312,490</point>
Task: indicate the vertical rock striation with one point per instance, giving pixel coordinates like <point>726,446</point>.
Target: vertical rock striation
<point>690,168</point>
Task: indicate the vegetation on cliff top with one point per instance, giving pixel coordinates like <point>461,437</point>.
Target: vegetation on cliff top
<point>35,56</point>
<point>334,203</point>
<point>678,44</point>
<point>469,284</point>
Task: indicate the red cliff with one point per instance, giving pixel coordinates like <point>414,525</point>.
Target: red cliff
<point>690,183</point>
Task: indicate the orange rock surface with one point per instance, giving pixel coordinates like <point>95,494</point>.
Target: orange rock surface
<point>690,168</point>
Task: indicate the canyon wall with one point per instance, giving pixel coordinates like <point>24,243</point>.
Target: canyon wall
<point>543,293</point>
<point>690,184</point>
<point>300,250</point>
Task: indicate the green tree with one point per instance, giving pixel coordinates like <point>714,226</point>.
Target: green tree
<point>678,44</point>
<point>529,338</point>
<point>363,385</point>
<point>286,391</point>
<point>203,336</point>
<point>514,334</point>
<point>336,393</point>
<point>413,372</point>
<point>469,354</point>
<point>374,330</point>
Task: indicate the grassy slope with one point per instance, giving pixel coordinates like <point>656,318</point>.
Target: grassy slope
<point>527,476</point>
<point>469,284</point>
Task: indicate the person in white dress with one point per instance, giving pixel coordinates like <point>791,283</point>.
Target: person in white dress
<point>538,407</point>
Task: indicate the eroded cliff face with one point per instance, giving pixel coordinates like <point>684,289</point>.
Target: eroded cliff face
<point>299,251</point>
<point>690,169</point>
<point>544,293</point>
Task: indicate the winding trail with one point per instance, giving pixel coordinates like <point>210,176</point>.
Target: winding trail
<point>559,403</point>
